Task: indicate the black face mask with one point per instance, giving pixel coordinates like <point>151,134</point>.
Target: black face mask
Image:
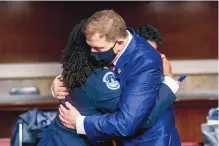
<point>104,58</point>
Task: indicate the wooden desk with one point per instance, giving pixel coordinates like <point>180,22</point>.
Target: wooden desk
<point>190,114</point>
<point>12,107</point>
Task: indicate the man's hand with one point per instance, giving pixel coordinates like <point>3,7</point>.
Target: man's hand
<point>167,69</point>
<point>69,115</point>
<point>58,89</point>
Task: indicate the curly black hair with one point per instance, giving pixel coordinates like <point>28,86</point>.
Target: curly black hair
<point>149,32</point>
<point>75,58</point>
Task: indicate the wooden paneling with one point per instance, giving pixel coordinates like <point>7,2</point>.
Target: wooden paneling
<point>37,31</point>
<point>190,114</point>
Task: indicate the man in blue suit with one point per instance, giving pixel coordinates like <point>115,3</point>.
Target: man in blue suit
<point>138,67</point>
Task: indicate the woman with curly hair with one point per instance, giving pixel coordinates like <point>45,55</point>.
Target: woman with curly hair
<point>93,90</point>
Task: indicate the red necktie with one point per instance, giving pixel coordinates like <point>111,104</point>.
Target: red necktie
<point>111,66</point>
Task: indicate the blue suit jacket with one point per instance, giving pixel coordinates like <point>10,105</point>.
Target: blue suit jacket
<point>91,99</point>
<point>139,71</point>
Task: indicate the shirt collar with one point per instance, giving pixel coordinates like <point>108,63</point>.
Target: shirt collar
<point>128,42</point>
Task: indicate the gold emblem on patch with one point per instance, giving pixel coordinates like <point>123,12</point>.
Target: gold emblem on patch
<point>119,71</point>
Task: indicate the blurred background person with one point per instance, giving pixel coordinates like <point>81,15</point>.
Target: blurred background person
<point>151,34</point>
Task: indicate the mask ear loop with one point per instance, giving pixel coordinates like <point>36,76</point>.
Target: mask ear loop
<point>113,48</point>
<point>114,44</point>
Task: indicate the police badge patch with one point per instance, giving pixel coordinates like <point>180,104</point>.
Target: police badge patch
<point>111,82</point>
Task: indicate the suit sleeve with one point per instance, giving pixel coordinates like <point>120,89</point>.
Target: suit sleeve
<point>165,99</point>
<point>137,100</point>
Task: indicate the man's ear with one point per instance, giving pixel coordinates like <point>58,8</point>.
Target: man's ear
<point>121,44</point>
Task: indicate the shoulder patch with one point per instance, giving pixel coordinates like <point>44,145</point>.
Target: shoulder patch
<point>110,80</point>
